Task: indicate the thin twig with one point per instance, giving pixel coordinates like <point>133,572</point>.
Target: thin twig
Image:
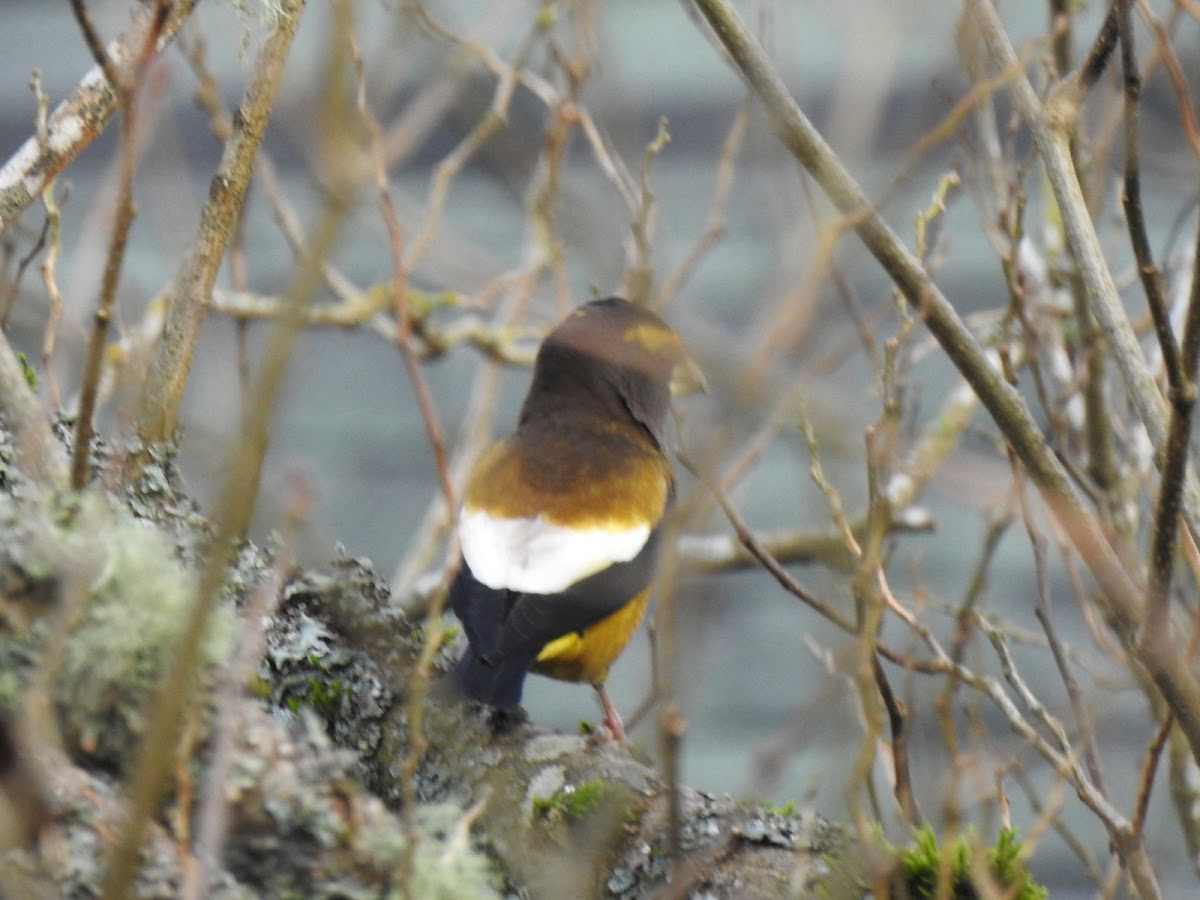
<point>1156,640</point>
<point>751,542</point>
<point>1042,610</point>
<point>1006,407</point>
<point>674,726</point>
<point>639,270</point>
<point>418,681</point>
<point>446,170</point>
<point>404,318</point>
<point>92,38</point>
<point>965,619</point>
<point>1149,769</point>
<point>898,722</point>
<point>127,89</point>
<point>1131,201</point>
<point>1060,35</point>
<point>9,296</point>
<point>1177,77</point>
<point>1035,797</point>
<point>51,239</point>
<point>53,293</point>
<point>1051,124</point>
<point>714,227</point>
<point>1097,58</point>
<point>1180,371</point>
<point>565,108</point>
<point>1001,400</point>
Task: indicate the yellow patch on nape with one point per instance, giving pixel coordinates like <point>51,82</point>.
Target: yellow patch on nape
<point>654,338</point>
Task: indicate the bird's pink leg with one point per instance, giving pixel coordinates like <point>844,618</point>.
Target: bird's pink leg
<point>612,719</point>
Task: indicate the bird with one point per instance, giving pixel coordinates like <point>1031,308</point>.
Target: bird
<point>561,523</point>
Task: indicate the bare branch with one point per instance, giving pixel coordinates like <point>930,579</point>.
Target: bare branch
<point>92,38</point>
<point>1096,61</point>
<point>1051,125</point>
<point>1000,399</point>
<point>163,391</point>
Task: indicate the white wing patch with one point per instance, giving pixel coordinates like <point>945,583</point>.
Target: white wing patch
<point>535,557</point>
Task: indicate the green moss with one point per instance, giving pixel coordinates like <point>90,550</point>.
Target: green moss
<point>325,697</point>
<point>1008,860</point>
<point>788,809</point>
<point>259,687</point>
<point>572,801</point>
<point>31,376</point>
<point>442,631</point>
<point>922,862</point>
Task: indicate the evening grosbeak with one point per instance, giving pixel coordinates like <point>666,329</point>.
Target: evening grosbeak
<point>561,522</point>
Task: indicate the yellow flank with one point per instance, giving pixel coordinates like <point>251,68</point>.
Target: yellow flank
<point>632,492</point>
<point>587,656</point>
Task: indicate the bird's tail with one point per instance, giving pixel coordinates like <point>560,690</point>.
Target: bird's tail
<point>497,684</point>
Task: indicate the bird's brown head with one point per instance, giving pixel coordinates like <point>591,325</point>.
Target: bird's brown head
<point>618,355</point>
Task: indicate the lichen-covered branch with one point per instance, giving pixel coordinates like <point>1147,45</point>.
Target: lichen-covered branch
<point>41,456</point>
<point>79,119</point>
<point>309,781</point>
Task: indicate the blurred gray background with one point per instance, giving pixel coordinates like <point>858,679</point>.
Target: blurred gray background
<point>768,714</point>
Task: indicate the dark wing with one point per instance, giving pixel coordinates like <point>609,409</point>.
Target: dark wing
<point>506,630</point>
<point>537,619</point>
<point>483,673</point>
<point>481,609</point>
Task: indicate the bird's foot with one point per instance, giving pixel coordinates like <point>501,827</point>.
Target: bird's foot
<point>612,728</point>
